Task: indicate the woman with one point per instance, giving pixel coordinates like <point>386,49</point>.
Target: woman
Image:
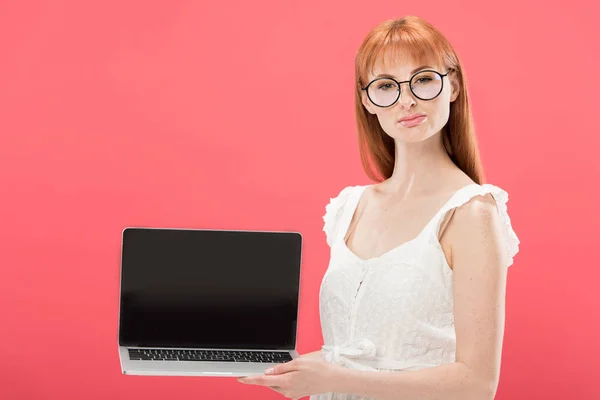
<point>412,303</point>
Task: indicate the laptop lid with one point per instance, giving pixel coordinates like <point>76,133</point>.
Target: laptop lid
<point>209,288</point>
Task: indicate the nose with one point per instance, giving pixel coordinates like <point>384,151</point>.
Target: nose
<point>406,98</point>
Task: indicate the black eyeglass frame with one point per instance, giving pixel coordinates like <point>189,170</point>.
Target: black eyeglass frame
<point>409,85</point>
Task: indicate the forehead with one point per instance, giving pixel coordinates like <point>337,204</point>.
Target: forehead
<point>401,64</point>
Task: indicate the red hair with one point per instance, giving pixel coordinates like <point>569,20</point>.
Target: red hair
<point>418,40</point>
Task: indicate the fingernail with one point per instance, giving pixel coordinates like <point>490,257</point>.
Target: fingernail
<point>269,371</point>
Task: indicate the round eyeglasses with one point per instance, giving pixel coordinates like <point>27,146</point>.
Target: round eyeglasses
<point>425,85</point>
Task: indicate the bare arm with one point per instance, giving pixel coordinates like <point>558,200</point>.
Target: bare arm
<point>313,354</point>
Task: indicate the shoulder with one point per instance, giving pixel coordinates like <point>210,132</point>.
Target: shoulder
<point>343,193</point>
<point>334,209</point>
<point>479,203</point>
<point>480,209</point>
<point>339,198</point>
<point>481,225</point>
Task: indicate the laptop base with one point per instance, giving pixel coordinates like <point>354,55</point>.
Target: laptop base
<point>192,368</point>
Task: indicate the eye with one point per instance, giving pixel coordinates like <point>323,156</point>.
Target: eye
<point>385,86</point>
<point>423,80</point>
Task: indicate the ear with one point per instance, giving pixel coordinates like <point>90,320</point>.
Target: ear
<point>366,102</point>
<point>455,89</point>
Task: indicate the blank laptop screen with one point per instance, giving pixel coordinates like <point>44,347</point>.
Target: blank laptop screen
<point>211,289</point>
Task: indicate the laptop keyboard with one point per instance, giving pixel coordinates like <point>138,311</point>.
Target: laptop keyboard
<point>209,355</point>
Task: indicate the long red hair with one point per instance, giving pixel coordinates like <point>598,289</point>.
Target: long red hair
<point>419,40</point>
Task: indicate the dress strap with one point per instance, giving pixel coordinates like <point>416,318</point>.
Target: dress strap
<point>466,193</point>
<point>349,211</point>
<point>336,212</point>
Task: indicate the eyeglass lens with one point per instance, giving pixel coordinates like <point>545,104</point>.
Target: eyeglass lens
<point>424,85</point>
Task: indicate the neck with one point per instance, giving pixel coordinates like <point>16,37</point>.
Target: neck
<point>420,167</point>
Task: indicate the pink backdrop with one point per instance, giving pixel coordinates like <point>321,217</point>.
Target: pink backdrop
<point>239,114</point>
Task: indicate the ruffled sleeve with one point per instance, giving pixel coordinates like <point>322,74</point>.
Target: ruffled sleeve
<point>512,241</point>
<point>501,197</point>
<point>333,213</point>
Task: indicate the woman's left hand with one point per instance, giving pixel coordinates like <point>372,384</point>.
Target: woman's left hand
<point>298,378</point>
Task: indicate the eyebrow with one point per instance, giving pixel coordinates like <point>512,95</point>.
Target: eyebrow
<point>411,72</point>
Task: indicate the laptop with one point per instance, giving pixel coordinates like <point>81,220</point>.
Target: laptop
<point>199,302</point>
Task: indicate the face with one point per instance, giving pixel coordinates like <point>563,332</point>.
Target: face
<point>436,111</point>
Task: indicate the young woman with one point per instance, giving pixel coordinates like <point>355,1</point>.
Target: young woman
<point>412,303</point>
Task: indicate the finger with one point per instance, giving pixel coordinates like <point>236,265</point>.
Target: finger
<point>283,368</point>
<point>261,380</point>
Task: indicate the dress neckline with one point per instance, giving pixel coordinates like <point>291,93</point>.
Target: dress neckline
<point>355,200</point>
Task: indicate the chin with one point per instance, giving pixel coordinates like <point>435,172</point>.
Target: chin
<point>411,135</point>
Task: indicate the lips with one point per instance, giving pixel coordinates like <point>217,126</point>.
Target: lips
<point>411,117</point>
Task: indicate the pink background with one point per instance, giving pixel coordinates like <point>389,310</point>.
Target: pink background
<point>239,114</point>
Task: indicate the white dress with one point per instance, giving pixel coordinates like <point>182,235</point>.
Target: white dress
<point>394,311</point>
